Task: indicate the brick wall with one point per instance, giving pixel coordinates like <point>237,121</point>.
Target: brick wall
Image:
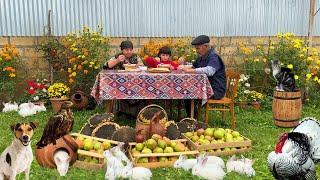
<point>34,64</point>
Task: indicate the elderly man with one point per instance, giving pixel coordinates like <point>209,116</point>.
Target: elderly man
<point>209,63</point>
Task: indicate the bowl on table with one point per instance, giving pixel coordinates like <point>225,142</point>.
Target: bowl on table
<point>164,66</point>
<point>129,67</point>
<point>143,68</point>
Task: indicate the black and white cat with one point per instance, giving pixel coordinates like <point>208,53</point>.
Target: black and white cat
<point>284,77</point>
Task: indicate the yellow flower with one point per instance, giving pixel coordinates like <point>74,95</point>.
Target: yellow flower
<point>256,60</point>
<point>96,67</point>
<point>309,59</point>
<point>296,77</point>
<point>12,75</point>
<point>308,76</point>
<point>69,70</point>
<point>290,66</point>
<point>271,47</point>
<point>316,78</point>
<point>91,62</point>
<point>74,74</point>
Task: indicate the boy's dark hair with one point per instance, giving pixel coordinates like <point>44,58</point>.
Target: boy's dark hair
<point>164,50</point>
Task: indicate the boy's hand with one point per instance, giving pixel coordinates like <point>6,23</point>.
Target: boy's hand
<point>157,59</point>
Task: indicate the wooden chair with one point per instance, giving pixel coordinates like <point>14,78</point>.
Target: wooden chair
<point>227,102</point>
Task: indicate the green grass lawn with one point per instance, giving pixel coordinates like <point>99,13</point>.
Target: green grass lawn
<point>254,124</point>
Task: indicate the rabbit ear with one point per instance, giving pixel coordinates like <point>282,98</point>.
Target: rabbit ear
<point>204,161</point>
<point>233,158</point>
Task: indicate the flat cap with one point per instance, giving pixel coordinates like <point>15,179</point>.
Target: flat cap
<point>126,44</point>
<point>202,39</point>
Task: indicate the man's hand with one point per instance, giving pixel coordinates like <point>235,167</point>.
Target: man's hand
<point>188,69</point>
<point>181,60</point>
<point>121,58</point>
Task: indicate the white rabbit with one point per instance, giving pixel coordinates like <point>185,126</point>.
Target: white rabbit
<point>40,108</point>
<point>242,166</point>
<point>10,107</point>
<point>62,161</point>
<point>27,109</point>
<point>110,174</point>
<point>184,163</point>
<point>26,105</point>
<point>208,171</point>
<point>212,159</point>
<point>136,173</point>
<point>117,163</point>
<point>117,152</point>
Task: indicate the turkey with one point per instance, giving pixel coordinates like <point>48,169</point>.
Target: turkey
<point>57,126</point>
<point>297,152</point>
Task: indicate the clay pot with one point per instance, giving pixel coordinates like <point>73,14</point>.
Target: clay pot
<point>256,105</point>
<point>45,155</point>
<point>80,100</point>
<point>56,103</point>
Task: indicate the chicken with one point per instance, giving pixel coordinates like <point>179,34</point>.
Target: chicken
<point>57,126</point>
<point>297,152</point>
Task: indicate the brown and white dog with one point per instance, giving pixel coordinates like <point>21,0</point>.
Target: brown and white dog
<point>18,156</point>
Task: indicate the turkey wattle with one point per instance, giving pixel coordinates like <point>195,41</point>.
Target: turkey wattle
<point>297,152</point>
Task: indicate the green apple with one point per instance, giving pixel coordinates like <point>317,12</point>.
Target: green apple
<point>195,138</point>
<point>96,145</point>
<point>208,138</point>
<point>162,144</point>
<point>173,144</point>
<point>146,151</point>
<point>158,150</point>
<point>88,145</point>
<point>106,145</point>
<point>209,132</point>
<point>139,146</point>
<point>235,134</point>
<point>218,134</point>
<point>143,160</point>
<point>163,159</point>
<point>151,144</point>
<point>189,134</point>
<point>179,147</point>
<point>168,150</point>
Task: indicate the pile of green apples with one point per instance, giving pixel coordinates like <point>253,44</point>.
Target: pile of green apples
<point>91,145</point>
<point>214,136</point>
<point>157,144</point>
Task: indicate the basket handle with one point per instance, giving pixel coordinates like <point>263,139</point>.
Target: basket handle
<point>187,118</point>
<point>153,105</point>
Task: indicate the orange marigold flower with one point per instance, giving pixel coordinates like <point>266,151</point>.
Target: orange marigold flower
<point>85,71</point>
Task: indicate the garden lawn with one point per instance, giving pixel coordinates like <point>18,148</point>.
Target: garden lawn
<point>254,124</point>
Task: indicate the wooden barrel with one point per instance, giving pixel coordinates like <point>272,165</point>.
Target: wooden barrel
<point>286,108</point>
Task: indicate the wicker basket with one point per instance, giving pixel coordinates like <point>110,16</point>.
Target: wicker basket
<point>145,115</point>
<point>190,124</point>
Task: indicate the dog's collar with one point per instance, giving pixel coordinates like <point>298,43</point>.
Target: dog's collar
<point>22,142</point>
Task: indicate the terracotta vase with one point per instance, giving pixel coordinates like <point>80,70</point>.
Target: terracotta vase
<point>45,155</point>
<point>80,100</point>
<point>56,103</point>
<point>256,105</point>
<point>242,105</point>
